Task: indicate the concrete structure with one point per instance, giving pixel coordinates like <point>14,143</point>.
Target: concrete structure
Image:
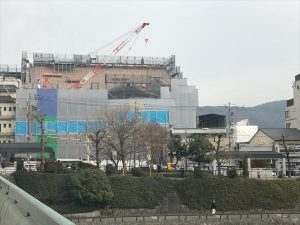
<point>9,71</point>
<point>152,85</point>
<point>23,148</point>
<point>8,86</point>
<point>18,207</point>
<point>211,121</point>
<point>292,110</point>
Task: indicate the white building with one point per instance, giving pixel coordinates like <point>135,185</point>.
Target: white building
<point>243,131</point>
<point>292,110</point>
<point>8,88</point>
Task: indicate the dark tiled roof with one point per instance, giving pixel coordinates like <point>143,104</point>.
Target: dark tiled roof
<point>6,99</point>
<point>290,134</point>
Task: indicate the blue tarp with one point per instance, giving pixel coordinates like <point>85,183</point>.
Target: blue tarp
<point>74,126</point>
<point>47,102</point>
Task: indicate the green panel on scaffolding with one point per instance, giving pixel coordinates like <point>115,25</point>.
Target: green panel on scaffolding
<point>50,118</point>
<point>51,140</point>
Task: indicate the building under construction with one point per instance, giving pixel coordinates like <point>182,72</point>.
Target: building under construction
<point>51,86</point>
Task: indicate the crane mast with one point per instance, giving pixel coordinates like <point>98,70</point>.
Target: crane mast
<point>129,37</point>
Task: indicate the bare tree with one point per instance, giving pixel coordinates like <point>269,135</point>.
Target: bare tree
<point>217,153</point>
<point>97,137</point>
<point>287,154</point>
<point>154,141</point>
<point>122,126</point>
<point>112,155</point>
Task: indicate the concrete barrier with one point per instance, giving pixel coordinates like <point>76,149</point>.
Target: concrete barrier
<point>19,208</point>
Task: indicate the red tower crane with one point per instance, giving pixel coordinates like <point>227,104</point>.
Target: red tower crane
<point>119,44</point>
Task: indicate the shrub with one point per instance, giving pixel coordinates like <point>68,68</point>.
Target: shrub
<point>201,174</point>
<point>83,165</point>
<point>53,167</point>
<point>231,173</point>
<point>91,187</point>
<point>110,170</point>
<point>47,187</point>
<point>137,172</point>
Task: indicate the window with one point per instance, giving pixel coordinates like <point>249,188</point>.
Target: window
<point>288,125</point>
<point>9,108</point>
<point>14,108</point>
<point>297,87</point>
<point>9,125</point>
<point>4,108</point>
<point>287,114</point>
<point>4,125</point>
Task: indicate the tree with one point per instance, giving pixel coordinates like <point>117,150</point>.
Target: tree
<point>91,187</point>
<point>200,149</point>
<point>217,140</point>
<point>245,167</point>
<point>122,126</point>
<point>177,148</point>
<point>154,140</point>
<point>287,154</point>
<point>97,137</point>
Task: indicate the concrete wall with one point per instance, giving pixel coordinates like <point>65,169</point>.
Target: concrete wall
<point>260,138</point>
<point>186,98</point>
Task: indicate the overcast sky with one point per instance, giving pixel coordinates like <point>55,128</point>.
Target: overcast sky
<point>243,52</point>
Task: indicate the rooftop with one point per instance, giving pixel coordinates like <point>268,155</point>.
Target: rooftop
<point>290,134</point>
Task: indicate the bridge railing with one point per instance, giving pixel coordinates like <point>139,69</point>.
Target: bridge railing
<point>31,206</point>
<point>181,217</point>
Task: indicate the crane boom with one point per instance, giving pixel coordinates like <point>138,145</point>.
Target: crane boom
<point>116,49</point>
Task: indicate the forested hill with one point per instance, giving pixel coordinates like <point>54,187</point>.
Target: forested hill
<point>268,115</point>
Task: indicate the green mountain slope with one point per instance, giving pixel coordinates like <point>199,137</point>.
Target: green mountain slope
<point>267,115</point>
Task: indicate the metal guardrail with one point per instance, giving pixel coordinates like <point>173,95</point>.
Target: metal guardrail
<point>183,217</point>
<point>34,208</point>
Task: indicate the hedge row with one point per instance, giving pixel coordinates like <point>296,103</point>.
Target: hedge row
<point>148,192</point>
<point>239,193</point>
<point>139,192</point>
<point>47,187</point>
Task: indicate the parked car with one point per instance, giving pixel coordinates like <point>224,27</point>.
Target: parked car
<point>296,171</point>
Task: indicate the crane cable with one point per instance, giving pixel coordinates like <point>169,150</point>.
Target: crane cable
<point>117,47</point>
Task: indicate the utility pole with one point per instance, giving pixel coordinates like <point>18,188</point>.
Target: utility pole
<point>41,121</point>
<point>287,153</point>
<point>28,131</point>
<point>229,125</point>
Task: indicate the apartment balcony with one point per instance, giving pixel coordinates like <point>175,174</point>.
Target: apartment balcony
<point>7,117</point>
